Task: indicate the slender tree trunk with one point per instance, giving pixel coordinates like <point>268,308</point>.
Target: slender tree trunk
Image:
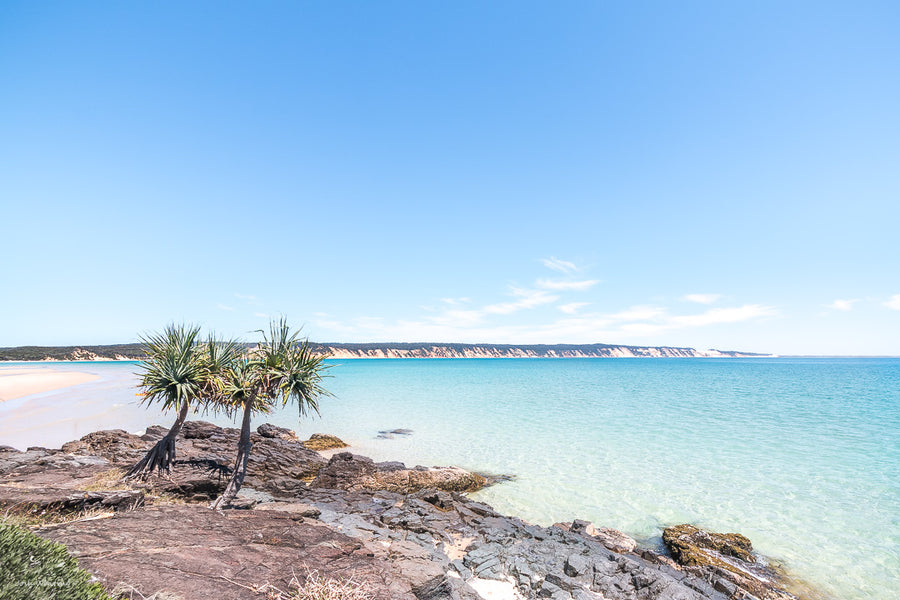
<point>240,463</point>
<point>161,457</point>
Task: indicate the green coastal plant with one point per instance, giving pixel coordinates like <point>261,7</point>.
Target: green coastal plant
<point>281,370</point>
<point>180,372</point>
<point>32,567</point>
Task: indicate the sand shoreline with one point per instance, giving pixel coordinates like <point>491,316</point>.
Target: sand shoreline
<point>17,383</point>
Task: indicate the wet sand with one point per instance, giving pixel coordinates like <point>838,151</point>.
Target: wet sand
<point>15,383</point>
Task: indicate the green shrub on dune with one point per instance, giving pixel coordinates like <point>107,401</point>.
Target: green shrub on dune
<point>33,568</point>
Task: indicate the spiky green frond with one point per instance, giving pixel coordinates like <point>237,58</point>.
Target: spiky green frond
<point>176,370</point>
<point>240,383</point>
<point>217,357</point>
<point>300,379</point>
<point>281,369</point>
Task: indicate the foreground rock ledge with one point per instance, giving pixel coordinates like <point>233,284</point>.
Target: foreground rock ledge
<point>348,517</point>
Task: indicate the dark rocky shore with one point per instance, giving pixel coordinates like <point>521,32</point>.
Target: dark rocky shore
<point>405,533</point>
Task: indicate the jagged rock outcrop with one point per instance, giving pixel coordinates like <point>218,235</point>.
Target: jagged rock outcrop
<point>348,471</point>
<point>268,430</point>
<point>471,542</point>
<point>278,462</point>
<point>324,441</point>
<point>356,518</point>
<point>728,557</point>
<point>115,445</point>
<point>611,538</point>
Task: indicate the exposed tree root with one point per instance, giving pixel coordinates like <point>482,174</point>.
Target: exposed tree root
<point>159,459</point>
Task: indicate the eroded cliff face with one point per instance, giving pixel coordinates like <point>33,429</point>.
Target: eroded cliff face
<point>407,350</point>
<point>490,351</point>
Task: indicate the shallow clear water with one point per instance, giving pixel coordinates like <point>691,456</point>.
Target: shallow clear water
<point>800,455</point>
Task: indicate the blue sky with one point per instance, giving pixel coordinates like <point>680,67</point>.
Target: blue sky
<point>707,174</point>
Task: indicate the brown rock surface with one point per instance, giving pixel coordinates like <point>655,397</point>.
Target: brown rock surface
<point>37,501</point>
<point>197,553</point>
<point>358,519</point>
<point>205,453</point>
<point>348,471</point>
<point>273,431</point>
<point>728,556</point>
<point>324,441</point>
<point>694,547</point>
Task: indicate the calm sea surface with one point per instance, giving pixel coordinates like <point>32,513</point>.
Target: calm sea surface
<point>800,455</point>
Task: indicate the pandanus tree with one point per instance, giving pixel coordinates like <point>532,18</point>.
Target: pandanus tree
<point>282,370</point>
<point>180,372</point>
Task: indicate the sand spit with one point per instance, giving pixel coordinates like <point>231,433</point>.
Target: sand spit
<point>15,383</point>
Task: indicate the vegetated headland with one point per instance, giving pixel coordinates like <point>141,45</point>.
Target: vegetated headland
<point>395,350</point>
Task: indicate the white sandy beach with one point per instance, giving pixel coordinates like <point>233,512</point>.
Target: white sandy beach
<point>15,383</point>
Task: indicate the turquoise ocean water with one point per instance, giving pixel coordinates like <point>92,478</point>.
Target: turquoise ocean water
<point>800,455</point>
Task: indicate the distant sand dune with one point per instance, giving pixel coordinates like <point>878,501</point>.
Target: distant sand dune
<point>15,383</point>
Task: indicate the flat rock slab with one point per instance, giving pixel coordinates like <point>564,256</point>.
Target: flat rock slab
<point>197,553</point>
<point>39,500</point>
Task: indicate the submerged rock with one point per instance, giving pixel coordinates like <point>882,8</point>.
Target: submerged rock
<point>390,434</point>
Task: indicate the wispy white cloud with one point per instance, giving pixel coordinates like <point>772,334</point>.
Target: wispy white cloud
<point>527,299</point>
<point>221,306</point>
<point>370,322</point>
<point>572,307</point>
<point>335,325</point>
<point>894,302</point>
<point>261,315</point>
<point>458,318</point>
<point>638,313</point>
<point>843,305</point>
<point>563,266</point>
<point>644,328</point>
<point>723,315</point>
<point>247,297</point>
<point>703,298</point>
<point>555,284</point>
<point>475,326</point>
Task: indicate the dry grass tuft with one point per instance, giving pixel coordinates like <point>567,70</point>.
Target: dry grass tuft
<point>319,587</point>
<point>124,591</point>
<point>110,479</point>
<point>48,518</point>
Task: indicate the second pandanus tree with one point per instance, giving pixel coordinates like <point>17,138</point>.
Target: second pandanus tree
<point>180,372</point>
<point>282,370</point>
